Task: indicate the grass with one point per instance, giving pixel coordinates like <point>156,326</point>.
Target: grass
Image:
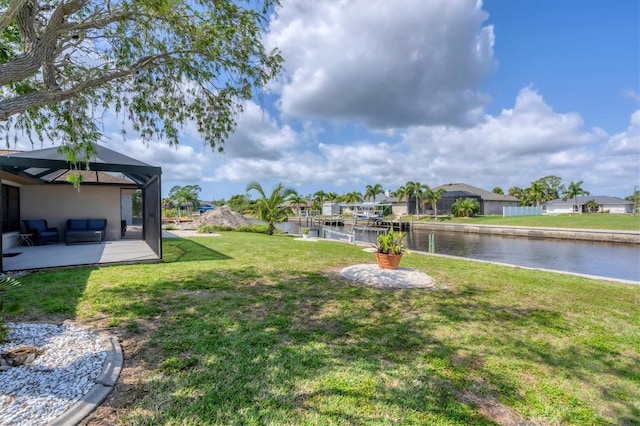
<point>250,329</point>
<point>619,222</point>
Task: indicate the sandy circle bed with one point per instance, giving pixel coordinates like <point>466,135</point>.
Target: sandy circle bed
<point>372,275</point>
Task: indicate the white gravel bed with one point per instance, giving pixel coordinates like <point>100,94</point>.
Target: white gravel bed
<point>35,394</point>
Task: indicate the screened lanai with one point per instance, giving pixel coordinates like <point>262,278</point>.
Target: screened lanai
<point>34,186</point>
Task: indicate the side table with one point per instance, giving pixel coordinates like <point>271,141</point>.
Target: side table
<point>24,240</point>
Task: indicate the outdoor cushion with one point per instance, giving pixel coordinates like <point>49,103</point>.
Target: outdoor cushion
<point>77,224</point>
<point>36,225</point>
<point>42,234</point>
<point>96,224</point>
<point>79,230</point>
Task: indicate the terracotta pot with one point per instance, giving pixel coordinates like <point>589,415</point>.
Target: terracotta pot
<point>388,261</point>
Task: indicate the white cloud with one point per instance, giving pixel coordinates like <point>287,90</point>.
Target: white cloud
<point>514,148</point>
<point>627,142</point>
<point>259,136</point>
<point>387,64</point>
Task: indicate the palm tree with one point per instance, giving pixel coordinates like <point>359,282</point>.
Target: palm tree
<point>372,191</point>
<point>417,190</point>
<point>332,196</point>
<point>573,191</point>
<point>592,206</point>
<point>400,193</point>
<point>433,197</point>
<point>465,207</point>
<point>497,190</point>
<point>271,209</point>
<point>318,199</point>
<point>297,200</point>
<point>516,191</point>
<point>352,197</point>
<point>185,196</point>
<point>535,194</point>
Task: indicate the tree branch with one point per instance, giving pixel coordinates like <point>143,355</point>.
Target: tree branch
<point>37,49</point>
<point>10,13</point>
<point>39,99</point>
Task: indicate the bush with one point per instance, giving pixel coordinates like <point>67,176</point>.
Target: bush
<point>6,284</point>
<point>210,229</point>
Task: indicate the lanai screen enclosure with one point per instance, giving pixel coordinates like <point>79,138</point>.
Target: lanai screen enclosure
<point>33,185</point>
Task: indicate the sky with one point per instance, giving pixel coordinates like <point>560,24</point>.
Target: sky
<point>493,93</point>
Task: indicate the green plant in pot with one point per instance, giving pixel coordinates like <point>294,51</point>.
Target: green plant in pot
<point>389,249</point>
<point>305,232</point>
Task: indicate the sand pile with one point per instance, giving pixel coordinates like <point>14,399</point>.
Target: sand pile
<point>223,216</point>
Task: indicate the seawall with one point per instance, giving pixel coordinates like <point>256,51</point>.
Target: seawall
<point>598,235</point>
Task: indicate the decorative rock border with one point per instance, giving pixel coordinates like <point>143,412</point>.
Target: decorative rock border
<point>78,368</point>
<point>103,387</point>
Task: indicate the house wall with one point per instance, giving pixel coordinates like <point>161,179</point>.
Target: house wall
<point>399,209</point>
<point>560,209</point>
<point>57,203</point>
<point>611,208</point>
<point>329,209</point>
<point>617,208</point>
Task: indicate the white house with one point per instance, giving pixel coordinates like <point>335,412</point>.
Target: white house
<point>606,204</point>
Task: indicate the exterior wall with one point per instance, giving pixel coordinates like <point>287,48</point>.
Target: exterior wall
<point>399,209</point>
<point>611,208</point>
<point>329,209</point>
<point>560,209</point>
<point>617,208</point>
<point>57,203</point>
<point>9,240</point>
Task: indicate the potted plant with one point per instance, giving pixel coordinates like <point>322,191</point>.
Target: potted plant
<point>305,232</point>
<point>389,249</point>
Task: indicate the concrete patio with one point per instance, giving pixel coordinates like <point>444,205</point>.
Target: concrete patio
<point>60,255</point>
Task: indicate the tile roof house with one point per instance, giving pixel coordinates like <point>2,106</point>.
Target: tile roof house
<point>490,202</point>
<point>605,204</point>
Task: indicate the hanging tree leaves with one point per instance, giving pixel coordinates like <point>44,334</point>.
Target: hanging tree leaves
<point>159,64</point>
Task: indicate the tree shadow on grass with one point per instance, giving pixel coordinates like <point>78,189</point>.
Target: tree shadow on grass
<point>243,346</point>
<point>186,250</point>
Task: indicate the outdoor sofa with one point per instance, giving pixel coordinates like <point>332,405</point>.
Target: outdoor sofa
<point>40,231</point>
<point>85,230</point>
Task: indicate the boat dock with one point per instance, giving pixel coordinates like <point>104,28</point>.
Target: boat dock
<point>372,224</point>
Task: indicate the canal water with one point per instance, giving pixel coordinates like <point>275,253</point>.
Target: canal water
<point>610,260</point>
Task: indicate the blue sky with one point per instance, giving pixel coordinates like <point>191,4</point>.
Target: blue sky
<point>493,93</point>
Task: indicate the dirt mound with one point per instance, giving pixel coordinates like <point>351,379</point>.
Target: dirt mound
<point>223,216</point>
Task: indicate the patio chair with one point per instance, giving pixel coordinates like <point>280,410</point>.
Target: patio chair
<point>41,232</point>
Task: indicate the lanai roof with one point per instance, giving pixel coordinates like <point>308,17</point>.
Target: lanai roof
<point>49,165</point>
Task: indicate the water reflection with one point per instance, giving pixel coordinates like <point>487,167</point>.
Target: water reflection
<point>601,259</point>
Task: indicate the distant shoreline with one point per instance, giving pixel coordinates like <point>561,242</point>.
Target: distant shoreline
<point>595,235</point>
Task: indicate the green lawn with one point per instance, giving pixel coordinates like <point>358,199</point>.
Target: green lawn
<point>250,329</point>
<point>621,222</point>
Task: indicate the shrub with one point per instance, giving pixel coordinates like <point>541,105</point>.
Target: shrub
<point>6,284</point>
<point>210,229</point>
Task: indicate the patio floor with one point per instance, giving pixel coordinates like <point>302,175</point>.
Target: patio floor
<point>58,255</point>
